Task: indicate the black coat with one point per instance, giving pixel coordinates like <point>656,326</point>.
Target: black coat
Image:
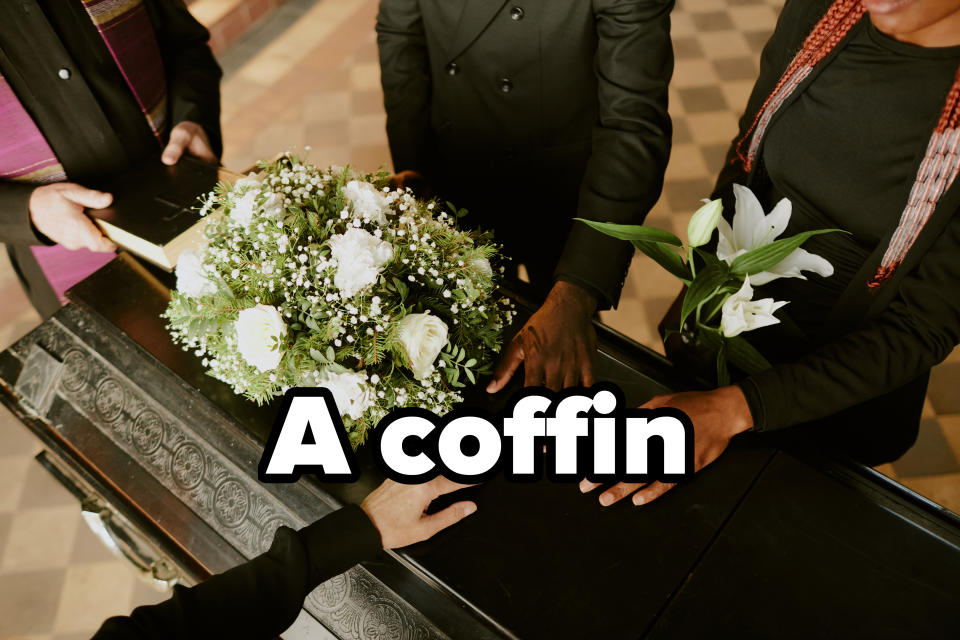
<point>92,120</point>
<point>532,112</point>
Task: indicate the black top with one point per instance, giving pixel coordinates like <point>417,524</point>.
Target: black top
<point>529,114</point>
<point>873,342</point>
<point>853,173</point>
<point>261,598</point>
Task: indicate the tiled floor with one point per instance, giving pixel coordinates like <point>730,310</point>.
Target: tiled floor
<point>307,75</point>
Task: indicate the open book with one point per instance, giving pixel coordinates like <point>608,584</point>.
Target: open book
<point>155,211</point>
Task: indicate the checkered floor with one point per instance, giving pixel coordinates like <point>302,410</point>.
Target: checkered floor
<point>308,75</point>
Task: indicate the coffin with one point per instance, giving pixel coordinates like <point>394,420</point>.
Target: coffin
<point>764,542</point>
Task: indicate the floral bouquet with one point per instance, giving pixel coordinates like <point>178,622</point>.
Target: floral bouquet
<point>718,304</point>
<point>329,278</point>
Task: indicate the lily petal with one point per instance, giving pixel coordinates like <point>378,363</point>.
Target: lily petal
<point>778,219</point>
<point>748,219</point>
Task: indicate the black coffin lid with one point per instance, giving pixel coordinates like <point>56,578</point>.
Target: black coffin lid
<point>537,560</point>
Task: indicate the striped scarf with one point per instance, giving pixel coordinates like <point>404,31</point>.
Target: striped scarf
<point>25,155</point>
<point>940,164</point>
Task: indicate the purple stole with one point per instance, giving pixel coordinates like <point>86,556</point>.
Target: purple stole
<point>25,155</point>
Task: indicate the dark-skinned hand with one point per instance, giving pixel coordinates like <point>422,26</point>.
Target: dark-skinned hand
<point>556,345</point>
<point>717,416</point>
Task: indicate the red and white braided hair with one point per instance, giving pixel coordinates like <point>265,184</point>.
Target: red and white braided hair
<point>940,164</point>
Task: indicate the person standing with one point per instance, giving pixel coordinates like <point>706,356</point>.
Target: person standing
<point>88,88</point>
<point>530,113</point>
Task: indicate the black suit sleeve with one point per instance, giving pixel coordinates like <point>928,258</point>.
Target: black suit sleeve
<point>261,598</point>
<point>15,225</point>
<point>193,75</point>
<point>405,76</point>
<point>631,140</point>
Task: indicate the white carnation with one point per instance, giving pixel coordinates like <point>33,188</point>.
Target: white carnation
<point>245,208</point>
<point>193,277</point>
<point>350,391</point>
<point>368,203</point>
<point>422,337</point>
<point>360,258</point>
<point>258,330</point>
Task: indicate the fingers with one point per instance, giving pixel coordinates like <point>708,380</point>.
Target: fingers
<point>586,486</point>
<point>586,371</point>
<point>86,235</point>
<point>440,485</point>
<point>618,492</point>
<point>506,367</point>
<point>180,139</point>
<point>448,517</point>
<point>651,492</point>
<point>84,197</point>
<point>200,148</point>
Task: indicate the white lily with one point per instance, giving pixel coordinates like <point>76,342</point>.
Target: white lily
<point>753,229</point>
<point>703,222</point>
<point>742,313</point>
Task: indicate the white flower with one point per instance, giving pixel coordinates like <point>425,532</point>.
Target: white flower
<point>245,208</point>
<point>250,180</point>
<point>752,229</point>
<point>482,266</point>
<point>360,257</point>
<point>742,313</point>
<point>273,207</point>
<point>368,203</point>
<point>350,391</point>
<point>703,222</point>
<point>258,330</point>
<point>193,278</point>
<point>422,337</point>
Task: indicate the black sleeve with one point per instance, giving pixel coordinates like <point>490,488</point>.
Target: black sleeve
<point>919,328</point>
<point>631,140</point>
<point>405,76</point>
<point>261,598</point>
<point>15,225</point>
<point>193,75</point>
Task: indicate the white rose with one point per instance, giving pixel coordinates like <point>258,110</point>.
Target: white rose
<point>250,180</point>
<point>360,257</point>
<point>273,207</point>
<point>482,266</point>
<point>350,391</point>
<point>245,208</point>
<point>422,337</point>
<point>258,330</point>
<point>368,203</point>
<point>193,277</point>
<point>741,313</point>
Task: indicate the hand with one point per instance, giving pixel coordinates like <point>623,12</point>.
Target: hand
<point>414,181</point>
<point>556,344</point>
<point>56,210</point>
<point>398,510</point>
<point>190,137</point>
<point>717,416</point>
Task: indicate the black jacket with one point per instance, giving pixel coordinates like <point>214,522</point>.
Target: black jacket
<point>261,598</point>
<point>879,344</point>
<point>91,120</point>
<point>532,112</point>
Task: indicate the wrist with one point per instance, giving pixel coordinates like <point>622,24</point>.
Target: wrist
<point>737,410</point>
<point>574,296</point>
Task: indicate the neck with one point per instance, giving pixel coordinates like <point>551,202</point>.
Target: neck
<point>942,33</point>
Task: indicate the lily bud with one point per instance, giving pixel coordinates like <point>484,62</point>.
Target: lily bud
<point>703,222</point>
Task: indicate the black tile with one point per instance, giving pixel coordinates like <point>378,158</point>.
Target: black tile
<point>40,489</point>
<point>714,155</point>
<point>712,21</point>
<point>681,131</point>
<point>757,40</point>
<point>738,68</point>
<point>29,601</point>
<point>930,455</point>
<point>687,48</point>
<point>702,99</point>
<point>685,195</point>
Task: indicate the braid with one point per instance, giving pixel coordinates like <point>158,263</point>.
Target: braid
<point>940,165</point>
<point>936,174</point>
<point>828,32</point>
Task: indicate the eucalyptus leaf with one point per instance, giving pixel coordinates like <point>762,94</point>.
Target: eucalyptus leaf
<point>632,232</point>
